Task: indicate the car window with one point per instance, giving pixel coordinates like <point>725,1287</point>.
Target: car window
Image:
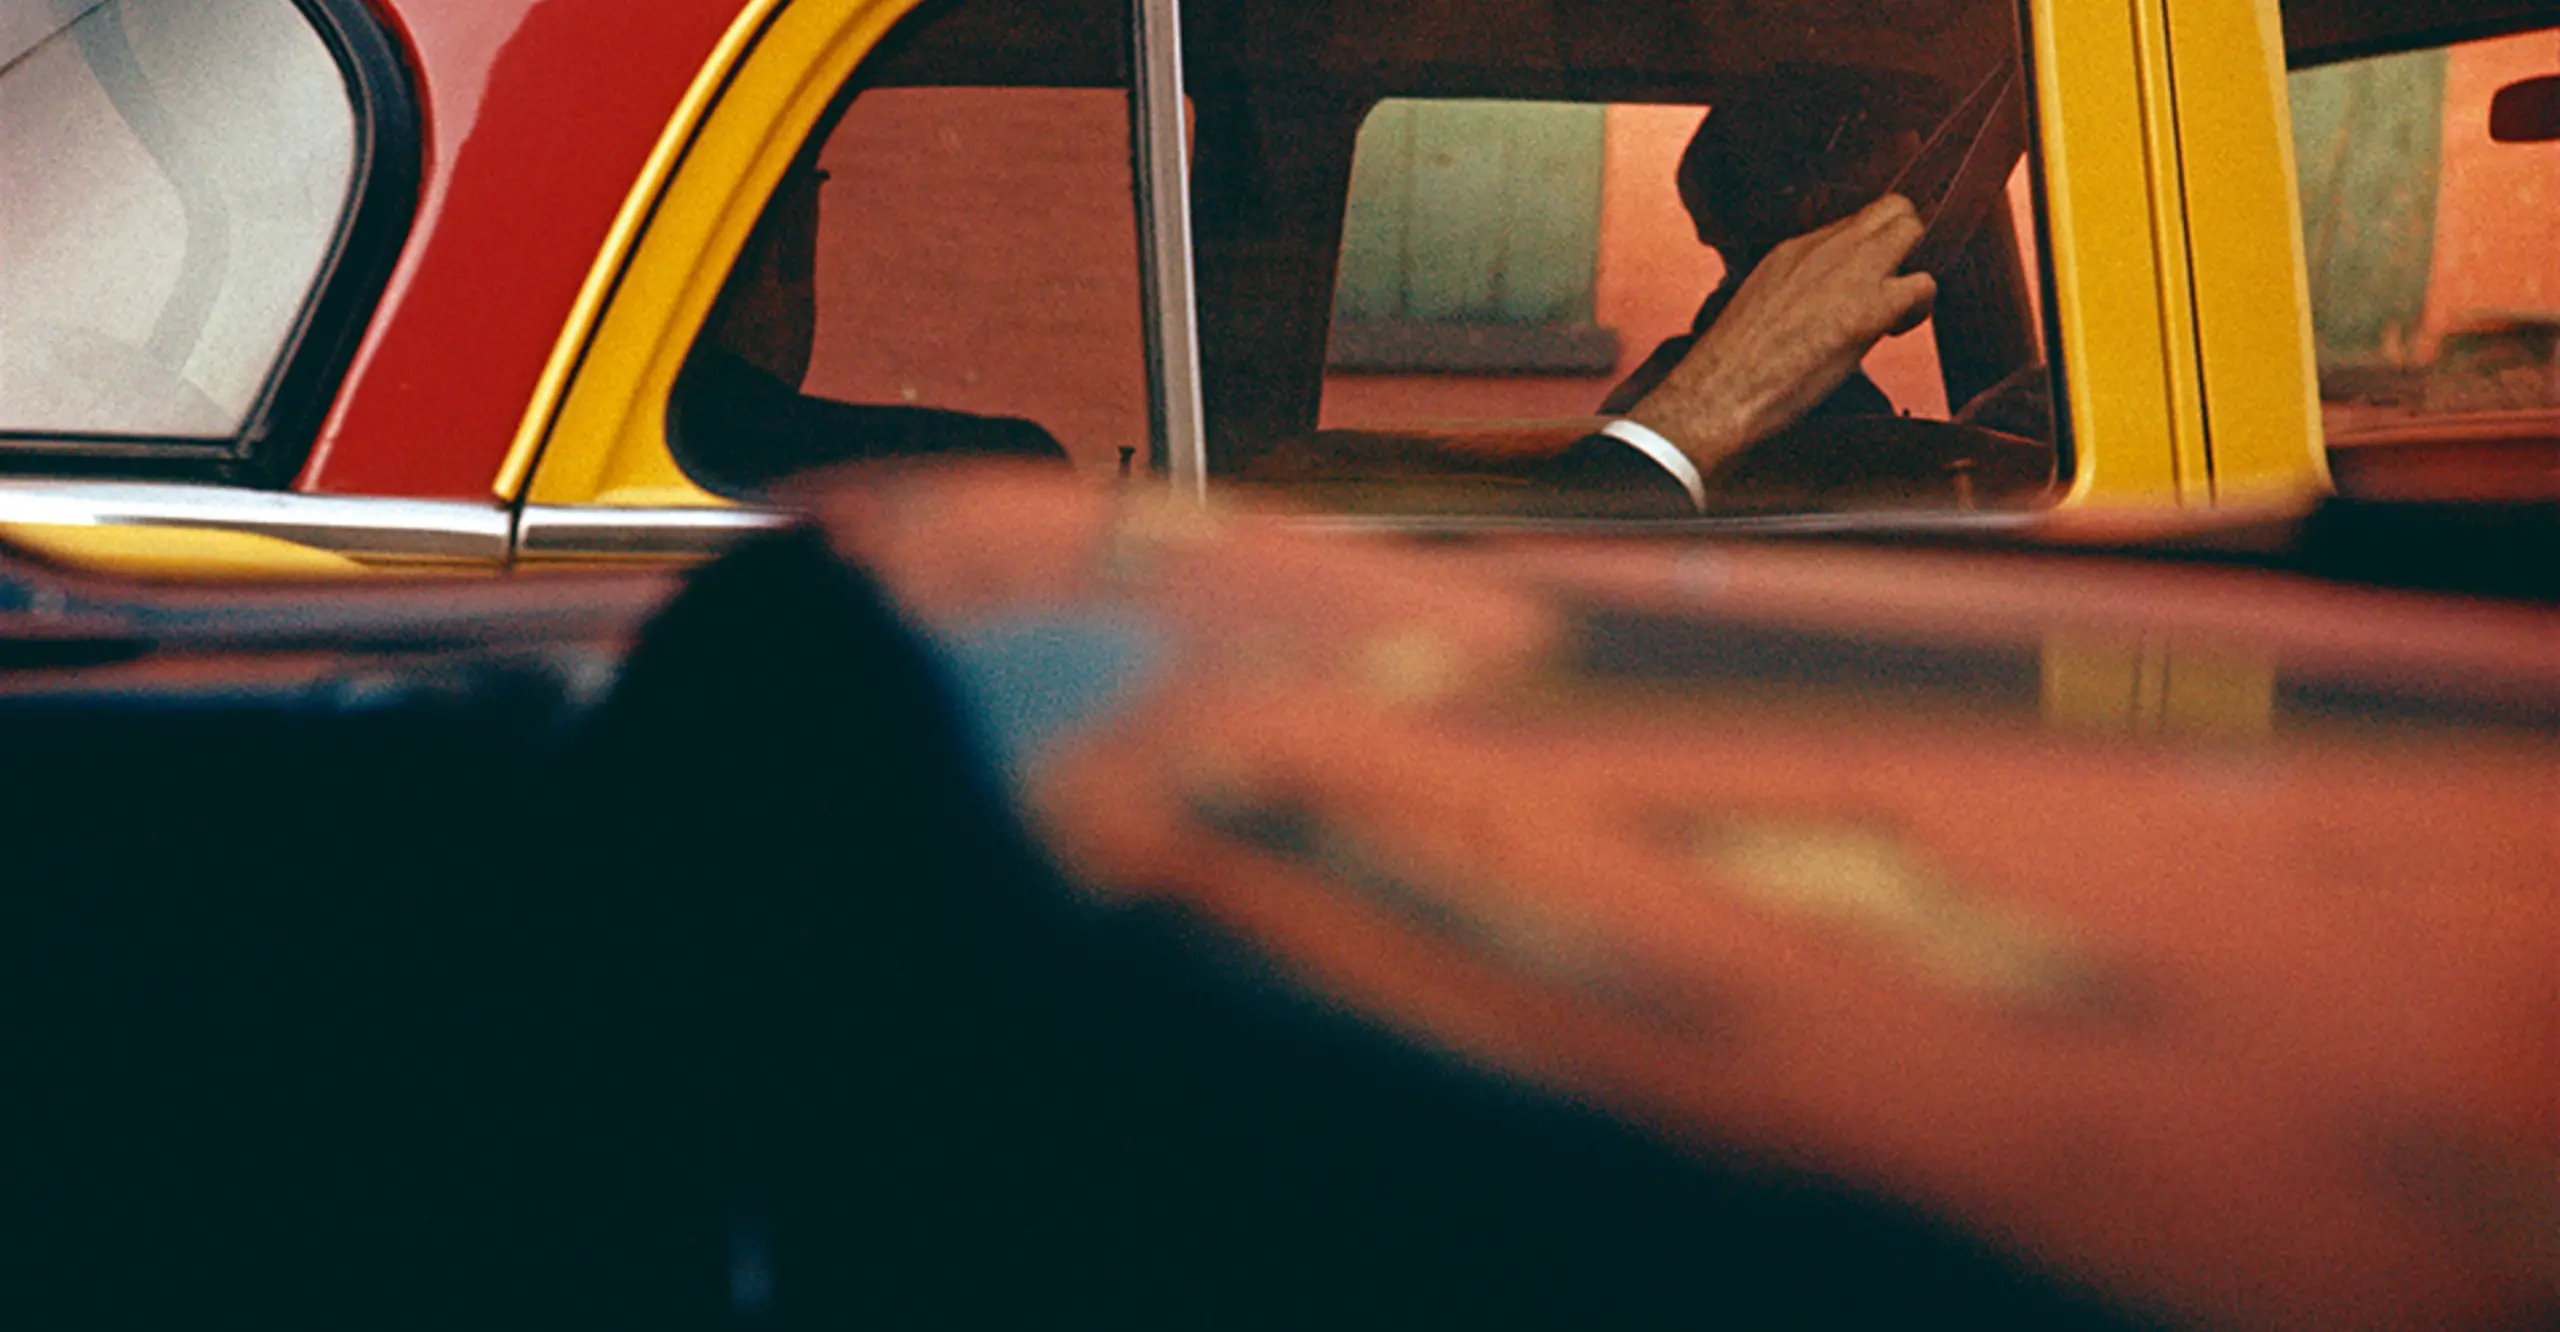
<point>950,267</point>
<point>1436,254</point>
<point>1477,278</point>
<point>2433,248</point>
<point>172,180</point>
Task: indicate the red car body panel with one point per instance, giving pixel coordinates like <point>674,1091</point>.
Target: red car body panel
<point>539,114</point>
<point>2271,1045</point>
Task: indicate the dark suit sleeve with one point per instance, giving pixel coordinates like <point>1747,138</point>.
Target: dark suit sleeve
<point>738,428</point>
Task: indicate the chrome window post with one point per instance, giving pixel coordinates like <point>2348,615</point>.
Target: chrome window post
<point>1160,149</point>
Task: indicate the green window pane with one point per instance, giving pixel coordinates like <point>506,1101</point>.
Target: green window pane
<point>1474,226</point>
<point>2368,139</point>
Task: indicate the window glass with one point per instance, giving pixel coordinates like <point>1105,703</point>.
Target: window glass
<point>1438,254</point>
<point>1552,336</point>
<point>950,268</point>
<point>172,178</point>
<point>2433,249</point>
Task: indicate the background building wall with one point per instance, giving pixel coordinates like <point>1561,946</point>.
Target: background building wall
<point>2498,217</point>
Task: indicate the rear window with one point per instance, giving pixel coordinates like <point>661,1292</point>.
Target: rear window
<point>173,177</point>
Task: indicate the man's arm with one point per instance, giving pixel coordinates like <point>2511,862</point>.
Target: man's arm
<point>1795,331</point>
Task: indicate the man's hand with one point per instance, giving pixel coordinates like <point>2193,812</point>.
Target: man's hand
<point>1800,324</point>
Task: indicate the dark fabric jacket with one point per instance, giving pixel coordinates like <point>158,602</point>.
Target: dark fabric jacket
<point>739,428</point>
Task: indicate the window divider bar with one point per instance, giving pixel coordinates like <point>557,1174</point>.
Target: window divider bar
<point>1160,154</point>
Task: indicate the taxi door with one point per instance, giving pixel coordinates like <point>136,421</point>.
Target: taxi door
<point>2174,297</point>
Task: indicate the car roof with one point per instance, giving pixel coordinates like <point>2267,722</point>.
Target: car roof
<point>2322,31</point>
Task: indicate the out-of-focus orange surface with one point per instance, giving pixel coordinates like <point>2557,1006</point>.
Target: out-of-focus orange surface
<point>2259,1026</point>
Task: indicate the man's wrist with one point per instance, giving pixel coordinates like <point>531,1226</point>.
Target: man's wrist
<point>1701,425</point>
<point>1646,440</point>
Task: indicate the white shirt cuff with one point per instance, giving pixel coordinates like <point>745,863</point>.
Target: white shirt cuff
<point>1652,445</point>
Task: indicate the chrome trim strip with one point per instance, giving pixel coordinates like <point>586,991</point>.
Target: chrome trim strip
<point>1885,523</point>
<point>1162,173</point>
<point>357,527</point>
<point>566,531</point>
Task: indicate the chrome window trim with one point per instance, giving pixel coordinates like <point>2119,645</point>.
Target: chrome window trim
<point>1872,523</point>
<point>1161,172</point>
<point>577,531</point>
<point>373,530</point>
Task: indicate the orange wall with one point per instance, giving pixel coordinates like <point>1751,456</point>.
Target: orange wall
<point>978,251</point>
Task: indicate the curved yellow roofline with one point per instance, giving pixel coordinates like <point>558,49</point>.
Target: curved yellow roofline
<point>598,413</point>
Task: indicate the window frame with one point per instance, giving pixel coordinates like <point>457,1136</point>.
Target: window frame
<point>2106,123</point>
<point>284,420</point>
<point>1168,281</point>
<point>592,473</point>
<point>701,457</point>
<point>1182,453</point>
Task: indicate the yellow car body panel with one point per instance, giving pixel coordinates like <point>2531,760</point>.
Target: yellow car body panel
<point>2245,246</point>
<point>189,553</point>
<point>2106,281</point>
<point>2164,163</point>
